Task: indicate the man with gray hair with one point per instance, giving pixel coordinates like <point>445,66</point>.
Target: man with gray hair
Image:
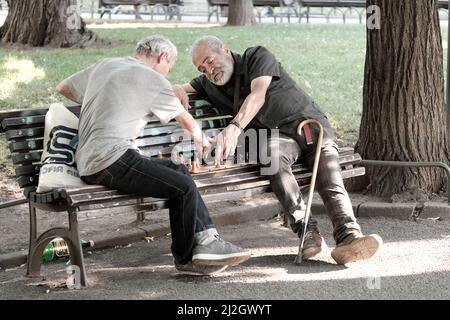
<point>118,96</point>
<point>259,94</point>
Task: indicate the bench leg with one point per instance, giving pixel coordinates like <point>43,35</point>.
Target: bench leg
<point>37,245</point>
<point>74,243</point>
<point>31,267</point>
<point>140,213</point>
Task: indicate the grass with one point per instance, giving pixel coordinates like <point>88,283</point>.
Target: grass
<point>327,61</point>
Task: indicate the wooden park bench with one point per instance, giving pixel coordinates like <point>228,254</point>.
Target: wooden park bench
<point>343,6</point>
<point>288,7</point>
<point>168,8</point>
<point>24,131</point>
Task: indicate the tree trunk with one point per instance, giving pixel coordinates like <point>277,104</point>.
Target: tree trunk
<point>404,117</point>
<point>55,23</point>
<point>240,13</point>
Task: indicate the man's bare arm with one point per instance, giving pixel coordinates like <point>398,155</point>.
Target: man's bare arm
<point>188,123</point>
<point>228,138</point>
<point>64,89</point>
<point>254,101</point>
<point>181,91</point>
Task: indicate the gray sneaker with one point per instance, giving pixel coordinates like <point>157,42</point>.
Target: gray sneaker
<point>194,270</point>
<point>313,244</point>
<point>218,253</point>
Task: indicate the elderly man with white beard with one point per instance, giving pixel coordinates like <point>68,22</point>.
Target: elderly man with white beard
<point>256,90</point>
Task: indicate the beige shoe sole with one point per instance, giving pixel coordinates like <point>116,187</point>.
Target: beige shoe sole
<point>221,262</point>
<point>360,249</point>
<point>201,274</point>
<point>310,252</point>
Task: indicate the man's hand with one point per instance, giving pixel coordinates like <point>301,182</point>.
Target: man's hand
<point>202,147</point>
<point>226,143</point>
<point>182,95</point>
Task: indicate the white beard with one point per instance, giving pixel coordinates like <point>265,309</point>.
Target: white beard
<point>227,68</point>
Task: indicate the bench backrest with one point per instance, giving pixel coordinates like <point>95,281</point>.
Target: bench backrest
<point>443,4</point>
<point>256,3</point>
<point>272,3</point>
<point>333,3</point>
<point>103,3</point>
<point>24,131</point>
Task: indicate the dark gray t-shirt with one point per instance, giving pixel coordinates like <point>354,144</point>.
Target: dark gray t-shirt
<point>119,95</point>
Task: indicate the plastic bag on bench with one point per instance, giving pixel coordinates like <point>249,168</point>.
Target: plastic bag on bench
<point>60,142</point>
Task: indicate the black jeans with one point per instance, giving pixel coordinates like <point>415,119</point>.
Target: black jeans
<point>136,174</point>
<point>329,183</point>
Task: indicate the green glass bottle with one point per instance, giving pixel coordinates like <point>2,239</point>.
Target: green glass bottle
<point>58,248</point>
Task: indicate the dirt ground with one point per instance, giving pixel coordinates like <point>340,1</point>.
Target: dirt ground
<point>14,221</point>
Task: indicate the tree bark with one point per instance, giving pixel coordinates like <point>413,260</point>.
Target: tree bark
<point>240,13</point>
<point>404,116</point>
<point>54,23</point>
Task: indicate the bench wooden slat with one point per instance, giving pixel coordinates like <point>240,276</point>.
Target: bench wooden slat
<point>24,133</point>
<point>169,139</point>
<point>28,181</point>
<point>256,3</point>
<point>27,145</point>
<point>22,122</point>
<point>303,180</point>
<point>26,121</point>
<point>207,123</point>
<point>26,158</point>
<point>333,3</point>
<point>32,112</point>
<point>273,3</point>
<point>29,170</point>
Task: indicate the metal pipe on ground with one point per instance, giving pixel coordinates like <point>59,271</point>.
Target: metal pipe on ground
<point>412,164</point>
<point>13,203</point>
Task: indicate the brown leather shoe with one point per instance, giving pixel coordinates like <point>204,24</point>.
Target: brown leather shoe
<point>356,248</point>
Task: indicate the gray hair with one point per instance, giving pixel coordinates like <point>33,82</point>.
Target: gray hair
<point>156,45</point>
<point>212,42</point>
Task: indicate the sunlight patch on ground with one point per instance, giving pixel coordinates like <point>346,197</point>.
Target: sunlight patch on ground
<point>18,71</point>
<point>409,256</point>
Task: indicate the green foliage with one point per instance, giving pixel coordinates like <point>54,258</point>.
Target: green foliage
<point>326,60</point>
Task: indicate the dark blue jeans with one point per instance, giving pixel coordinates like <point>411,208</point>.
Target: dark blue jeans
<point>136,174</point>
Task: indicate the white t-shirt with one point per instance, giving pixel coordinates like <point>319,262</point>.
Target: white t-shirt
<point>119,95</point>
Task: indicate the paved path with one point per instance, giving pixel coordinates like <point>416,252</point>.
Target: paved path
<point>414,263</point>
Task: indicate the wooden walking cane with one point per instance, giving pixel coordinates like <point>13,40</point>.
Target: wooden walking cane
<point>305,125</point>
